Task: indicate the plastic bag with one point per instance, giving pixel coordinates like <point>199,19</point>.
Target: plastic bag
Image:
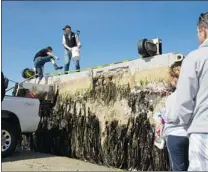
<point>159,126</point>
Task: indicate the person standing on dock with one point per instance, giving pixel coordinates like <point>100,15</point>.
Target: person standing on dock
<point>43,56</point>
<point>70,40</point>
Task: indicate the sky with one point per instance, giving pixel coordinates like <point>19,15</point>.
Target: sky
<point>109,31</point>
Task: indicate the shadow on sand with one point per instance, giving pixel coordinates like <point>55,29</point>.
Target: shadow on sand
<point>25,155</point>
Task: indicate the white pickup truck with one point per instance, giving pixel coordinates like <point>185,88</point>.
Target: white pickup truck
<point>19,115</point>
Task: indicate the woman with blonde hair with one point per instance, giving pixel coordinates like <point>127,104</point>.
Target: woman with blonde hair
<point>176,137</point>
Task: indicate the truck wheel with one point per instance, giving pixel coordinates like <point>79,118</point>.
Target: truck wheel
<point>8,139</point>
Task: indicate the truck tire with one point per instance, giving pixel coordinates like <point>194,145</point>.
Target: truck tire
<point>8,139</point>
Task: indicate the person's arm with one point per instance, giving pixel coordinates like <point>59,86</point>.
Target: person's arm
<point>64,43</point>
<point>78,41</point>
<point>52,55</point>
<point>187,89</point>
<point>167,109</point>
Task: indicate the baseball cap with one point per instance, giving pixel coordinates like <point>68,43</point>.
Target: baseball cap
<point>67,26</point>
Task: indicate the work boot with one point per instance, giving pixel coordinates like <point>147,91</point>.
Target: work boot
<point>66,72</point>
<point>58,67</point>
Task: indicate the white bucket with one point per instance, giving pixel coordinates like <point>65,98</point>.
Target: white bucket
<point>75,53</point>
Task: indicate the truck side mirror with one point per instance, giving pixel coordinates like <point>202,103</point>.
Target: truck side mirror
<point>6,82</point>
<point>2,87</point>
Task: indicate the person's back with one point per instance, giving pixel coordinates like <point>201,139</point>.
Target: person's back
<point>42,53</point>
<point>192,99</point>
<point>200,114</point>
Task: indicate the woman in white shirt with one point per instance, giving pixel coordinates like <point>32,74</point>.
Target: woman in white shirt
<point>175,134</point>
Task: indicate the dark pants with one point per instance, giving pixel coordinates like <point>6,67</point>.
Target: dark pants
<point>178,147</point>
<point>39,64</point>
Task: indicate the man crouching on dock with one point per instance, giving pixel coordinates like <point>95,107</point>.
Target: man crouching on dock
<point>43,56</point>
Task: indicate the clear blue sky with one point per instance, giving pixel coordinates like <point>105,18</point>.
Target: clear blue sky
<point>109,30</point>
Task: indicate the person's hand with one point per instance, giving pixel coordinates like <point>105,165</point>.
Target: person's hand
<point>57,58</point>
<point>70,49</point>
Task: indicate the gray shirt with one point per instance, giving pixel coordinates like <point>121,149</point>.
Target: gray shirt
<point>191,106</point>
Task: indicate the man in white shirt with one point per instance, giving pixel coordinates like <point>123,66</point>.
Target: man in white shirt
<point>70,40</point>
<point>191,107</point>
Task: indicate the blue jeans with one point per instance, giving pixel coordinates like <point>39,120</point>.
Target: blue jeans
<point>67,59</point>
<point>178,147</point>
<point>39,64</point>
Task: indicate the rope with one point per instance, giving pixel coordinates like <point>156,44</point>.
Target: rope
<point>19,83</point>
<point>64,72</point>
<point>84,69</point>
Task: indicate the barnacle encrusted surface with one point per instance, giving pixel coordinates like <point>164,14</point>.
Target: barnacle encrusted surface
<point>108,120</point>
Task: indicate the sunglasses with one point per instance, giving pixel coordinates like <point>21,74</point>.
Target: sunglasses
<point>201,17</point>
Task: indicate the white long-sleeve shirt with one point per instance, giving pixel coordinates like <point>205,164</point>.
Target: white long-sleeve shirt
<point>171,128</point>
<point>77,40</point>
